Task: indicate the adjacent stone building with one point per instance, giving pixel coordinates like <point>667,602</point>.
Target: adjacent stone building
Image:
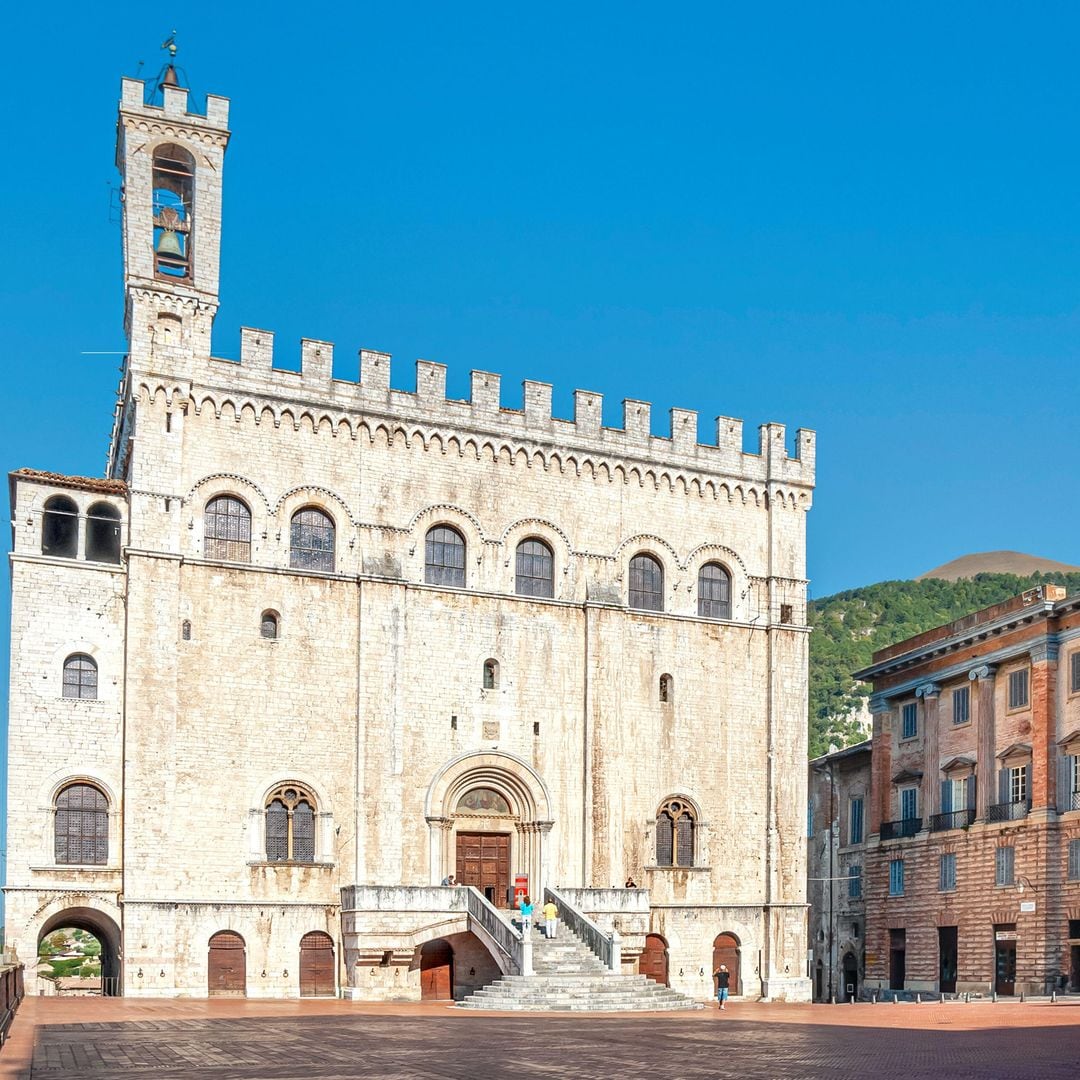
<point>315,645</point>
<point>972,870</point>
<point>839,800</point>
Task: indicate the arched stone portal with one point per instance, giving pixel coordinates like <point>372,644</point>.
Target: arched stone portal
<point>103,928</point>
<point>489,816</point>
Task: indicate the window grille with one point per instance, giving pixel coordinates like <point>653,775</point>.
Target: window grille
<point>269,625</point>
<point>646,584</point>
<point>961,705</point>
<point>80,677</point>
<point>1018,689</point>
<point>1004,866</point>
<point>311,541</point>
<point>290,826</point>
<point>444,557</point>
<point>714,592</point>
<point>535,569</point>
<point>81,827</point>
<point>227,530</point>
<point>675,834</point>
<point>910,721</point>
<point>947,873</point>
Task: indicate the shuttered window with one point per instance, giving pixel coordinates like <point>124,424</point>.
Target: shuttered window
<point>910,724</point>
<point>947,872</point>
<point>290,826</point>
<point>909,803</point>
<point>896,877</point>
<point>1018,689</point>
<point>854,882</point>
<point>1074,860</point>
<point>1074,672</point>
<point>855,829</point>
<point>646,584</point>
<point>961,705</point>
<point>444,557</point>
<point>81,827</point>
<point>675,834</point>
<point>1004,866</point>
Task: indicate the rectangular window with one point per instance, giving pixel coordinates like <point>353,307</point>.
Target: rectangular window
<point>1074,672</point>
<point>855,826</point>
<point>1018,689</point>
<point>1074,860</point>
<point>1004,873</point>
<point>1018,784</point>
<point>896,877</point>
<point>947,873</point>
<point>909,803</point>
<point>959,792</point>
<point>961,706</point>
<point>854,882</point>
<point>910,721</point>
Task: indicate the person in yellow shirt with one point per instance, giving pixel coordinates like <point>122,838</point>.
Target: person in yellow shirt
<point>551,917</point>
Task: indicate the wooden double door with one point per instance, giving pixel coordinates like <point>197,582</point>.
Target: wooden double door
<point>483,860</point>
<point>227,965</point>
<point>317,967</point>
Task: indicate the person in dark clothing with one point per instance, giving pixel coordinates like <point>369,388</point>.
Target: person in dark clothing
<point>723,981</point>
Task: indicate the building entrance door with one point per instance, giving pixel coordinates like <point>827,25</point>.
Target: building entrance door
<point>653,962</point>
<point>483,860</point>
<point>1074,975</point>
<point>1005,962</point>
<point>851,979</point>
<point>227,965</point>
<point>897,959</point>
<point>947,959</point>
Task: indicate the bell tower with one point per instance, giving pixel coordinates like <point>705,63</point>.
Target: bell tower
<point>170,162</point>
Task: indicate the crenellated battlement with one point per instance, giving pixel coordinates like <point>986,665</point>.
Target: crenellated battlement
<point>314,389</point>
<point>174,106</point>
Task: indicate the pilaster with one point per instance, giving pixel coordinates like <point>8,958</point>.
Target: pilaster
<point>985,792</point>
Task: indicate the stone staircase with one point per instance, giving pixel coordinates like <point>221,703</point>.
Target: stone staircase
<point>568,977</point>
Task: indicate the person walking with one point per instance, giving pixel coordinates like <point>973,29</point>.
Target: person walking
<point>526,914</point>
<point>551,917</point>
<point>723,981</point>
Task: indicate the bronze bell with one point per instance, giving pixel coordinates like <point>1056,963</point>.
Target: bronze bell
<point>169,244</point>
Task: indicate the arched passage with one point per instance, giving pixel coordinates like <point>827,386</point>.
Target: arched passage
<point>103,928</point>
<point>317,969</point>
<point>227,965</point>
<point>726,951</point>
<point>850,968</point>
<point>436,971</point>
<point>653,962</point>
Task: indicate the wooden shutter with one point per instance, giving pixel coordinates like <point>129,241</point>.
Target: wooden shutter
<point>1064,782</point>
<point>1027,782</point>
<point>971,792</point>
<point>1074,860</point>
<point>946,796</point>
<point>665,829</point>
<point>1003,785</point>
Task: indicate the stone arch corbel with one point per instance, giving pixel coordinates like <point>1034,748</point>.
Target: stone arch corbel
<point>318,497</point>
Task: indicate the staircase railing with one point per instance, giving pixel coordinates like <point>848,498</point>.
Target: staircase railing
<point>483,915</point>
<point>608,949</point>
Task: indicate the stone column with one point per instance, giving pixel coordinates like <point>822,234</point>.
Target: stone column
<point>929,693</point>
<point>985,772</point>
<point>438,830</point>
<point>1042,693</point>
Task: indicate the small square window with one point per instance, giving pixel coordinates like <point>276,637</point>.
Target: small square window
<point>910,725</point>
<point>1018,689</point>
<point>961,705</point>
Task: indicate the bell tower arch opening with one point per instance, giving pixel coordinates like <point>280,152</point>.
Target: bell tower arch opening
<point>489,818</point>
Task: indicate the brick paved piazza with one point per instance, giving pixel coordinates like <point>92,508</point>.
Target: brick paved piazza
<point>199,1040</point>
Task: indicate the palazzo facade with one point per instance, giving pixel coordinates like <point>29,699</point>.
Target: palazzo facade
<point>314,645</point>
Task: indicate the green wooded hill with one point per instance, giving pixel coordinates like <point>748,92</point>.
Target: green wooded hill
<point>849,626</point>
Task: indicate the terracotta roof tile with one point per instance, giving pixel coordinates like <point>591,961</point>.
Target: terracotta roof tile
<point>82,483</point>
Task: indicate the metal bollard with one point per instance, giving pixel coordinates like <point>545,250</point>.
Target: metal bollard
<point>873,998</point>
<point>851,1000</point>
<point>918,999</point>
<point>1053,996</point>
<point>832,999</point>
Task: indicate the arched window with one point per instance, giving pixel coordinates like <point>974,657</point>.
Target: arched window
<point>491,674</point>
<point>675,834</point>
<point>646,583</point>
<point>227,530</point>
<point>269,625</point>
<point>535,567</point>
<point>174,193</point>
<point>290,826</point>
<point>667,689</point>
<point>60,528</point>
<point>103,533</point>
<point>81,827</point>
<point>444,557</point>
<point>311,541</point>
<point>714,592</point>
<point>80,677</point>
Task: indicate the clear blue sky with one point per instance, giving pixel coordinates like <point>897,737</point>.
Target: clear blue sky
<point>860,218</point>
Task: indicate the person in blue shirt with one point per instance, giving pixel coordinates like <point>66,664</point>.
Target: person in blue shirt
<point>526,907</point>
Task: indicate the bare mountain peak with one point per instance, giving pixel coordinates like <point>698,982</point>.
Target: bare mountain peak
<point>997,562</point>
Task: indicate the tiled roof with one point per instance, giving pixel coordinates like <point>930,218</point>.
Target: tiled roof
<point>82,483</point>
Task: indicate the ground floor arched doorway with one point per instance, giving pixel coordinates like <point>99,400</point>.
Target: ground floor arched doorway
<point>726,951</point>
<point>653,962</point>
<point>227,965</point>
<point>436,971</point>
<point>317,968</point>
<point>101,927</point>
<point>850,989</point>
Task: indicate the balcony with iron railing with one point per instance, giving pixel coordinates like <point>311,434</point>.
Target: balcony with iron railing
<point>953,819</point>
<point>1071,800</point>
<point>1014,810</point>
<point>895,830</point>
